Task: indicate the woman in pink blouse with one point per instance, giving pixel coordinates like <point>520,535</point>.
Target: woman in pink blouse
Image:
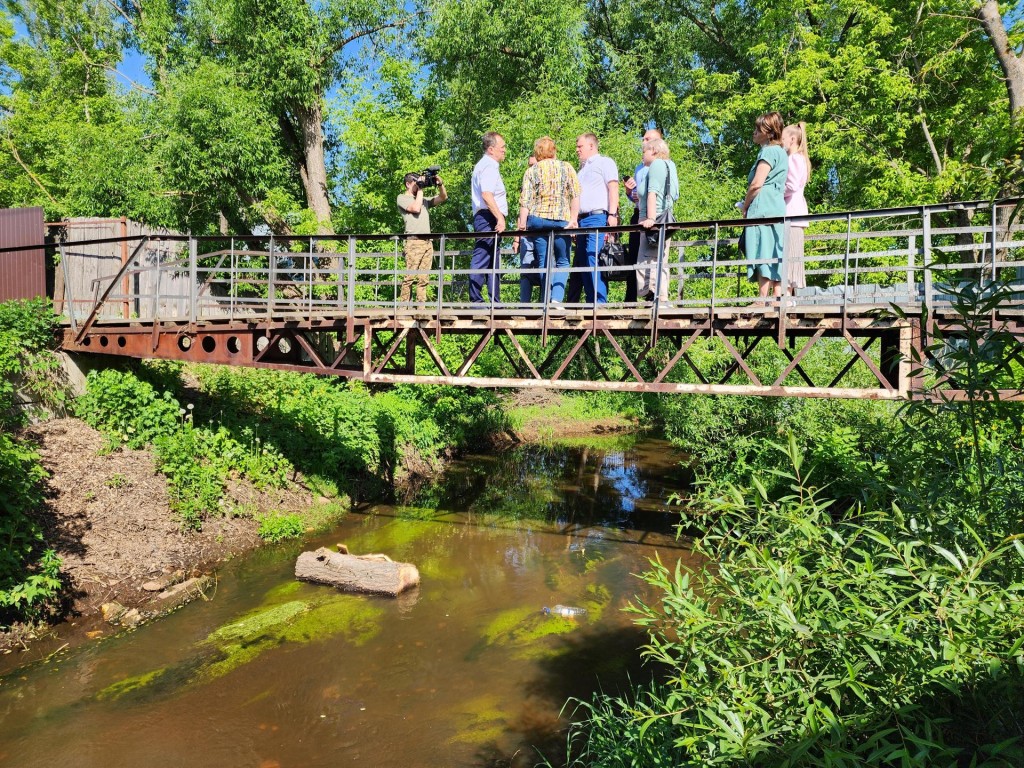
<point>794,140</point>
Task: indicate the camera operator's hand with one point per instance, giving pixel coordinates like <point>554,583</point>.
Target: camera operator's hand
<point>442,191</point>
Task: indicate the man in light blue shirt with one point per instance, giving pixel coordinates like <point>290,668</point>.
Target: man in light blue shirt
<point>599,207</point>
<point>490,207</point>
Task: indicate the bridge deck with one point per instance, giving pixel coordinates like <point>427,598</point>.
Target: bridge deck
<point>331,306</point>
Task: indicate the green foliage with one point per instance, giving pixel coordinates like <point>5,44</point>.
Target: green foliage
<point>29,573</point>
<point>195,484</point>
<point>267,426</point>
<point>26,359</point>
<point>196,460</point>
<point>279,526</point>
<point>127,409</point>
<point>812,638</point>
<point>339,432</point>
<point>970,446</point>
<point>27,598</point>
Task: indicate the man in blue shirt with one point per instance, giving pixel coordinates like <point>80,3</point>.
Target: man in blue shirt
<point>599,207</point>
<point>490,207</point>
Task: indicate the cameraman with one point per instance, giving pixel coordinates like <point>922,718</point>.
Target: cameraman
<point>419,248</point>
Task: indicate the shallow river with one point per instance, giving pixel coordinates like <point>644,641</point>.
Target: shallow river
<point>464,671</point>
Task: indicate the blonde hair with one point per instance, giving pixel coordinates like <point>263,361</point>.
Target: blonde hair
<point>799,131</point>
<point>659,147</point>
<point>544,148</point>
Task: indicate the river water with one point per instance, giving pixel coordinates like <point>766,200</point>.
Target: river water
<point>464,671</point>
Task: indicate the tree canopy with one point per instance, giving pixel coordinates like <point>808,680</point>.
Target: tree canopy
<point>303,116</point>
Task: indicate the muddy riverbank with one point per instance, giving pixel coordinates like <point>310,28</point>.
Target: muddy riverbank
<point>108,516</point>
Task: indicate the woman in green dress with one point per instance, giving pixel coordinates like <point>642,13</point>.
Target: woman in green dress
<point>766,185</point>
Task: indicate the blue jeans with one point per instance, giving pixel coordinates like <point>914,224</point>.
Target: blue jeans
<point>484,258</point>
<point>587,246</point>
<point>527,260</point>
<point>540,247</point>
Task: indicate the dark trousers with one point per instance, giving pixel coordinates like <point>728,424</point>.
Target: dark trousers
<point>484,258</point>
<point>632,251</point>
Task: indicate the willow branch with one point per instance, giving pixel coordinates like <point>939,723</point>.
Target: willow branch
<point>38,183</point>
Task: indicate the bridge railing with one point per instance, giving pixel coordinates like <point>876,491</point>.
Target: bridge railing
<point>852,261</point>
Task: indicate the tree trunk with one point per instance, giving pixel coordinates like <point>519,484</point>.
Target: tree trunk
<point>314,177</point>
<point>1011,64</point>
<point>376,574</point>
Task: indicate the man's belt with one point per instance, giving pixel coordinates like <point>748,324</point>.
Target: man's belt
<point>584,214</point>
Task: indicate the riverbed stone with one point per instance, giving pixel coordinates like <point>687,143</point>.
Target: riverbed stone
<point>112,612</point>
<point>162,582</point>
<point>179,594</point>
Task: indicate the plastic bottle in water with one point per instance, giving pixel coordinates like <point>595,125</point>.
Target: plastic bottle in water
<point>565,611</point>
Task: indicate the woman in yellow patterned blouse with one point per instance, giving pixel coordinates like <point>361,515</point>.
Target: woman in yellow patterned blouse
<point>550,200</point>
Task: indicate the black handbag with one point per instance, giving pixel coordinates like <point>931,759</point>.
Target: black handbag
<point>612,254</point>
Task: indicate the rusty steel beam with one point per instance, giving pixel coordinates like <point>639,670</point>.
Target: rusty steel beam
<point>284,344</point>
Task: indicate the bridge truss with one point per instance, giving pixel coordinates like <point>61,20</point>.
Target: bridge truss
<point>883,286</point>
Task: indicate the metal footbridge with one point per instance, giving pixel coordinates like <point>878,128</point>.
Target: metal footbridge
<point>881,285</point>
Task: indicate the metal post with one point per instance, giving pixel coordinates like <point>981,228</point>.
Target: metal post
<point>394,281</point>
<point>271,278</point>
<point>714,272</point>
<point>155,315</point>
<point>496,276</point>
<point>911,262</point>
<point>69,296</point>
<point>233,282</point>
<point>658,264</point>
<point>193,272</point>
<point>351,282</point>
<point>549,268</point>
<point>926,256</point>
<point>846,265</point>
<point>309,280</point>
<point>339,267</point>
<point>440,279</point>
<point>995,236</point>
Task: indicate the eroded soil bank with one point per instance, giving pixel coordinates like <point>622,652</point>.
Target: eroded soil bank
<point>108,516</point>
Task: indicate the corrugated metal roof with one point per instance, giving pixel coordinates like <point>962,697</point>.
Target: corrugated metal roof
<point>22,273</point>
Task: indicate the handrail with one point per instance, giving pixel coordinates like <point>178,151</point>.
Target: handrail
<point>932,208</point>
<point>847,268</point>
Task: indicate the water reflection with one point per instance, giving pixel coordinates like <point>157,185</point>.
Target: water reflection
<point>621,483</point>
<point>466,671</point>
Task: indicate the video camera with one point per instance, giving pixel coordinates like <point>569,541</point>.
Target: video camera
<point>427,178</point>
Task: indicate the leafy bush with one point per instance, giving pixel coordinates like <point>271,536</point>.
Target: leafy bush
<point>194,483</point>
<point>127,409</point>
<point>29,572</point>
<point>279,526</point>
<point>806,641</point>
<point>197,460</point>
<point>26,341</point>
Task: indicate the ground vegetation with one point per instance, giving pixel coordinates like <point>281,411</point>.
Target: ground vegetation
<point>861,600</point>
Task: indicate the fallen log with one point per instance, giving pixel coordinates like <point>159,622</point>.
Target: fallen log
<point>375,574</point>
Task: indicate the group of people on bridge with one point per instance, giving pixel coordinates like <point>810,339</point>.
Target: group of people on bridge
<point>556,196</point>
